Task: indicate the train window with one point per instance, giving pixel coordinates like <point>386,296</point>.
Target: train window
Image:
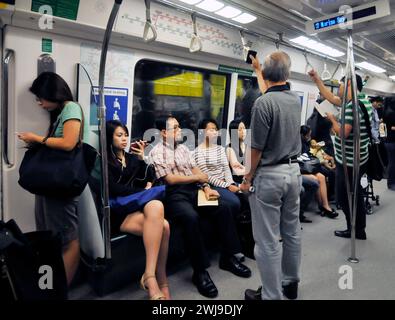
<point>247,93</point>
<point>190,94</point>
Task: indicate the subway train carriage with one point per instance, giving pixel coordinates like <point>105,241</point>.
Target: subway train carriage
<point>197,149</point>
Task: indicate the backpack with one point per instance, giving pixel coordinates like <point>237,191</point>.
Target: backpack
<point>31,265</point>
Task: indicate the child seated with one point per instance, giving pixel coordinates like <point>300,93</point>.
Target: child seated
<point>326,160</point>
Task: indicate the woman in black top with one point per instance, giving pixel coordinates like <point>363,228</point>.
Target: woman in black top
<point>389,120</point>
<point>135,204</point>
<point>236,149</point>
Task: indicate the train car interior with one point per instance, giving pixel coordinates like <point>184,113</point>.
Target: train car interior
<point>138,61</point>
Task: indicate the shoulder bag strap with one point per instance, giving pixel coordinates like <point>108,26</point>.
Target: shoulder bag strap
<point>81,128</point>
<point>367,122</point>
<point>82,125</point>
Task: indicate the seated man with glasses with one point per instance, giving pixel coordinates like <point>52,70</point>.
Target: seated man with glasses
<point>174,164</point>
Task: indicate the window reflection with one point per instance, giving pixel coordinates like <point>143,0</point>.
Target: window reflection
<point>247,93</point>
<point>189,94</point>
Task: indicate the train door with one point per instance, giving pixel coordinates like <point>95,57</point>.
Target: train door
<point>26,51</point>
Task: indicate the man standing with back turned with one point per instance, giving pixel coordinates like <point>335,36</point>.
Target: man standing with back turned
<point>275,174</point>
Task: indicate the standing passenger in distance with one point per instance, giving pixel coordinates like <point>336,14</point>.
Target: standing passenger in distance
<point>389,120</point>
<point>175,165</point>
<point>136,207</point>
<point>275,173</point>
<point>236,149</point>
<point>341,189</point>
<point>58,214</point>
<point>377,104</point>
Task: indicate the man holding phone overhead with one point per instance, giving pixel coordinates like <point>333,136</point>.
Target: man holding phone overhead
<point>275,174</point>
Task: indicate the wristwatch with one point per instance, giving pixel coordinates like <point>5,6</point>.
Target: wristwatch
<point>245,181</point>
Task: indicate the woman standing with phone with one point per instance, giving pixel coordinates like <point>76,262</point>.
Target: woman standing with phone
<point>58,214</point>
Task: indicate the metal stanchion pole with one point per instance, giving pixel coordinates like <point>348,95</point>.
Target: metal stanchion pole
<point>102,130</point>
<point>356,149</point>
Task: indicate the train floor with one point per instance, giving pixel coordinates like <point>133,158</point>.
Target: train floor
<point>322,259</point>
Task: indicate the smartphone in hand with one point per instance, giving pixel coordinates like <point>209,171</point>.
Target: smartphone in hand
<point>252,53</point>
<point>135,145</point>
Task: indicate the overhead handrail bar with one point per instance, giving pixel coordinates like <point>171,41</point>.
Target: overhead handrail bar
<point>148,24</point>
<point>102,130</point>
<point>9,55</point>
<point>196,44</point>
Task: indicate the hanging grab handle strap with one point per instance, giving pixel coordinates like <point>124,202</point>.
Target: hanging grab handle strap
<point>148,23</point>
<point>337,68</point>
<point>307,63</point>
<point>326,75</point>
<point>246,46</point>
<point>196,43</point>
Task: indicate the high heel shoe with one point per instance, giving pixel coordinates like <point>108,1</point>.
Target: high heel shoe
<point>144,278</point>
<point>328,213</point>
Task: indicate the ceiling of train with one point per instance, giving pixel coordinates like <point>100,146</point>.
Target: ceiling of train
<point>374,40</point>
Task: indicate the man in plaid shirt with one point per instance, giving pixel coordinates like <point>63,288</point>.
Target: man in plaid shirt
<point>175,166</point>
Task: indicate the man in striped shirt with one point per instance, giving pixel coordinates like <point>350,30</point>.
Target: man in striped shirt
<point>174,164</point>
<point>342,198</point>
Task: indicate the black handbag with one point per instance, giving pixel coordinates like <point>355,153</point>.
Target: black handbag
<point>22,257</point>
<point>312,166</point>
<point>375,165</point>
<point>57,173</point>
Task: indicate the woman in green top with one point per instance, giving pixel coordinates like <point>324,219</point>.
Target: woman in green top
<point>58,214</point>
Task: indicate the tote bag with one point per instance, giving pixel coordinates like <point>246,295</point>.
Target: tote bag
<point>375,166</point>
<point>57,173</point>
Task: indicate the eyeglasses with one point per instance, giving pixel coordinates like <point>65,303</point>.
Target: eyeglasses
<point>174,128</point>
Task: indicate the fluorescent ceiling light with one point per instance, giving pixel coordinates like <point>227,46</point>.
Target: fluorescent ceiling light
<point>317,46</point>
<point>228,12</point>
<point>370,67</point>
<point>210,5</point>
<point>191,1</point>
<point>245,18</point>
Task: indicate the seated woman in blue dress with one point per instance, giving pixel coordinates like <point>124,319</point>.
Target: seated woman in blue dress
<point>136,206</point>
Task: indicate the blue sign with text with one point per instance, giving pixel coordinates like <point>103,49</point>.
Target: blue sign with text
<point>116,102</point>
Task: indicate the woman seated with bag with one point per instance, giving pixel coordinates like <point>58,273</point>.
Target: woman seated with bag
<point>322,195</point>
<point>136,206</point>
<point>211,160</point>
<point>58,214</point>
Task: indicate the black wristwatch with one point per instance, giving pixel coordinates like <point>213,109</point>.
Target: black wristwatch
<point>204,185</point>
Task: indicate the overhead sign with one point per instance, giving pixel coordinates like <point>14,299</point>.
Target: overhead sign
<point>346,18</point>
<point>116,102</point>
<point>67,9</point>
<point>229,69</point>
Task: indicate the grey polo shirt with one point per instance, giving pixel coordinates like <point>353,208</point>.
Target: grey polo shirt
<point>275,125</point>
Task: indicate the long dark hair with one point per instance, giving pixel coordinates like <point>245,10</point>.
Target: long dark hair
<point>52,87</point>
<point>111,126</point>
<point>234,129</point>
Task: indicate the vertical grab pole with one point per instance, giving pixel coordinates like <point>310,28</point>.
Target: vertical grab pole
<point>102,130</point>
<point>356,149</point>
